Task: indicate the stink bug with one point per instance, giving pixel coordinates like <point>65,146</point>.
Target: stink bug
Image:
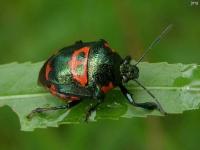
<point>90,70</point>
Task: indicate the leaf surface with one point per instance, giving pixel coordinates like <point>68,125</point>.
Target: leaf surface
<point>177,87</point>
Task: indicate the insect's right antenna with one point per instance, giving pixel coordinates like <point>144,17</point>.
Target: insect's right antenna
<point>156,41</point>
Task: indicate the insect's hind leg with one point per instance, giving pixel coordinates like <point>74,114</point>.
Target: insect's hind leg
<point>64,106</point>
<point>146,105</point>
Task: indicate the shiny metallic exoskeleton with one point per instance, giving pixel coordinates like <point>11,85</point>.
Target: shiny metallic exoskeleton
<point>90,70</point>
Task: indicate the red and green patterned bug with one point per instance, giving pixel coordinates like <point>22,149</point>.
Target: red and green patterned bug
<point>90,70</point>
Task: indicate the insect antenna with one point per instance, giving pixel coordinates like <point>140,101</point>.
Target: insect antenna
<point>151,94</point>
<point>156,41</point>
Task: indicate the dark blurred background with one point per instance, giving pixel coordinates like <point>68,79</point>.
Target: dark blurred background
<point>31,30</point>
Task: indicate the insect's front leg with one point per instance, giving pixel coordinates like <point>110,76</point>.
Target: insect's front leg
<point>129,97</point>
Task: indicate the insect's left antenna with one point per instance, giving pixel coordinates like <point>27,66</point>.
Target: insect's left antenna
<point>156,41</point>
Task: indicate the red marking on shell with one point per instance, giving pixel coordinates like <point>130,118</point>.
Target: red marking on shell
<point>54,92</point>
<point>106,45</point>
<point>53,89</point>
<point>62,96</point>
<point>107,88</point>
<point>69,98</point>
<point>74,63</point>
<point>74,98</point>
<point>48,70</point>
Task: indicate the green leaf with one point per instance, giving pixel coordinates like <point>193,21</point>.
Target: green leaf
<point>176,86</point>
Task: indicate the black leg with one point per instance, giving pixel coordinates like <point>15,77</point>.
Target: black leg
<point>146,105</point>
<point>127,60</point>
<point>92,108</point>
<point>65,106</point>
<point>79,42</point>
